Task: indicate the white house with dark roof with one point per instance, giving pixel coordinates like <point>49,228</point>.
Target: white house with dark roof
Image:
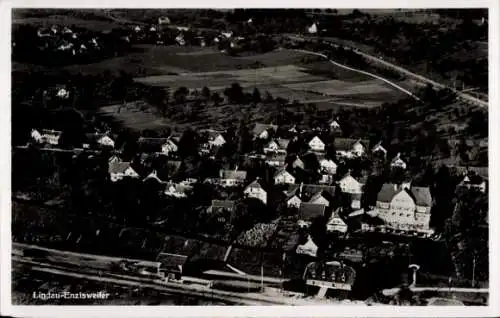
<point>397,162</point>
<point>255,190</point>
<point>404,209</point>
<point>316,144</point>
<point>215,138</point>
<point>283,177</point>
<point>118,170</point>
<point>232,178</point>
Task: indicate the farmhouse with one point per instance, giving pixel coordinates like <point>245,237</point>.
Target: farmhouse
<point>255,190</point>
<point>46,136</point>
<point>264,131</point>
<point>347,147</point>
<point>283,177</point>
<point>293,201</point>
<point>316,144</point>
<point>320,198</point>
<point>397,162</point>
<point>119,170</point>
<point>232,178</point>
<point>404,209</point>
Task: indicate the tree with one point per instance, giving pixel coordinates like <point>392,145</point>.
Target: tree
<point>205,92</point>
<point>180,95</point>
<point>234,93</point>
<point>256,95</point>
<point>216,99</point>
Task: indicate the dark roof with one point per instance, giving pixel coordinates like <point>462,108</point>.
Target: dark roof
<point>254,184</point>
<point>169,260</point>
<point>312,189</point>
<point>233,174</point>
<point>308,211</point>
<point>50,132</point>
<point>152,141</point>
<point>260,128</point>
<point>347,143</point>
<point>480,171</point>
<point>291,190</point>
<point>118,167</point>
<point>422,196</point>
<point>174,164</point>
<point>386,193</point>
<point>278,157</point>
<point>472,179</point>
<point>224,204</point>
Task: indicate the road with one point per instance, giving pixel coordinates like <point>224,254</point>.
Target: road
<point>361,72</point>
<point>464,96</point>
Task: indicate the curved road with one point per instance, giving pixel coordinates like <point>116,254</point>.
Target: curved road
<point>463,96</point>
<point>361,72</point>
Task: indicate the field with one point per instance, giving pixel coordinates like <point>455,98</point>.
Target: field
<point>289,74</point>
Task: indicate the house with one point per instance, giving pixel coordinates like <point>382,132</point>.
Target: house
<point>325,179</point>
<point>169,147</point>
<point>298,163</point>
<point>397,162</point>
<point>177,190</point>
<point>46,136</point>
<point>100,140</point>
<point>137,28</point>
<point>404,209</point>
<point>347,147</point>
<point>232,178</point>
<point>255,190</point>
<point>62,93</point>
<point>336,224</point>
<point>172,265</point>
<point>153,176</point>
<point>227,35</point>
<point>275,159</point>
<point>118,170</point>
<point>67,30</point>
<point>355,200</point>
<point>163,20</point>
<point>215,139</point>
<point>335,127</point>
<point>313,29</point>
<point>219,206</point>
<point>316,144</point>
<point>309,211</point>
<point>283,177</point>
<point>293,201</point>
<point>180,40</point>
<point>350,185</point>
<point>263,131</point>
<point>277,146</point>
<point>320,198</point>
<point>379,149</point>
<point>328,166</point>
<point>473,181</point>
<point>114,158</point>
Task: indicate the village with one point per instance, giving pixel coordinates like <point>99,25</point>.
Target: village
<point>134,164</point>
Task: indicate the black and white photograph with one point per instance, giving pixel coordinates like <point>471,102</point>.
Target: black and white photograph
<point>249,157</point>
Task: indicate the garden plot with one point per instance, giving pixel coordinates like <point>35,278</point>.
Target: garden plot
<point>135,116</point>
